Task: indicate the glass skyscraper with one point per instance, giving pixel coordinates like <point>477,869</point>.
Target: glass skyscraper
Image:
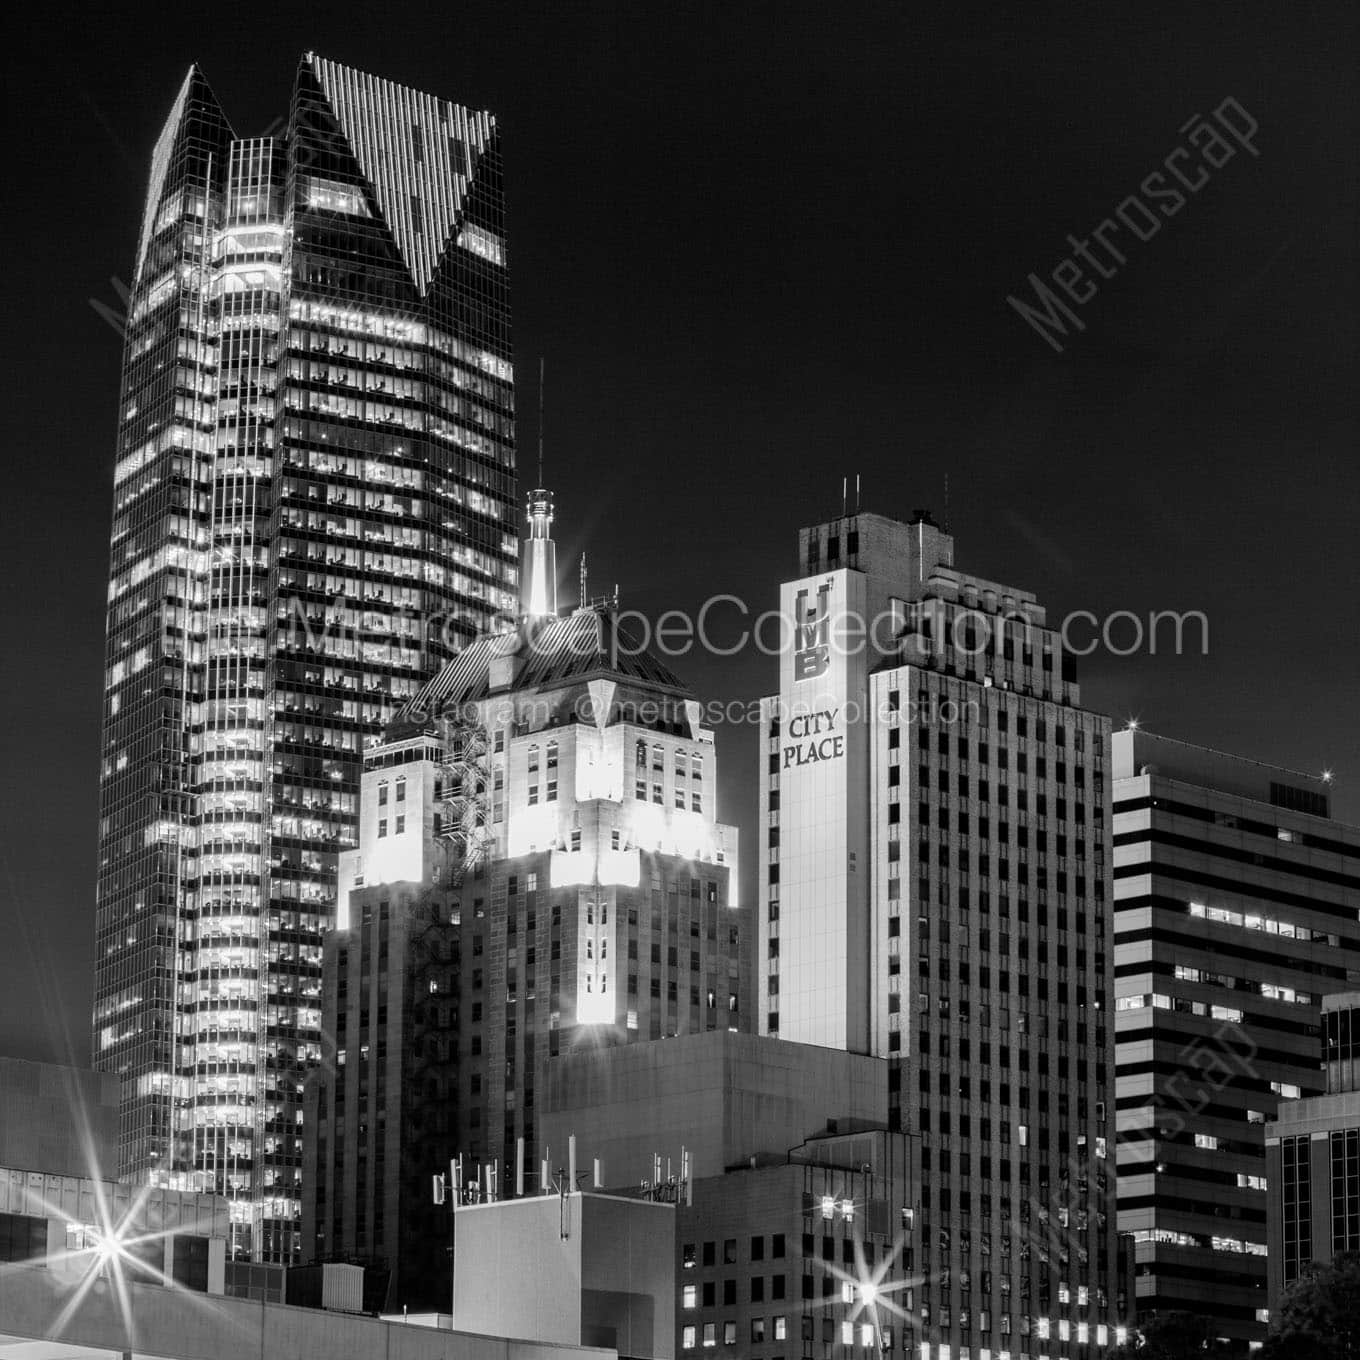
<point>314,508</point>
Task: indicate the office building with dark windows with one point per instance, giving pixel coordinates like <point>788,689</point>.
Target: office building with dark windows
<point>314,507</point>
<point>539,870</point>
<point>1235,917</point>
<point>1313,1158</point>
<point>935,891</point>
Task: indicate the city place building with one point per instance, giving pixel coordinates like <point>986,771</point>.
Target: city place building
<point>1235,916</point>
<point>935,891</point>
<point>314,507</point>
<point>540,868</point>
<point>1313,1158</point>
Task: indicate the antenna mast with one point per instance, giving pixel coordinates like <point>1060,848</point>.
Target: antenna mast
<point>540,420</point>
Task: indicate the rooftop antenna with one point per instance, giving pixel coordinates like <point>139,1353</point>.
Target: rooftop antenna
<point>858,502</point>
<point>946,502</point>
<point>844,482</point>
<point>583,580</point>
<point>540,420</point>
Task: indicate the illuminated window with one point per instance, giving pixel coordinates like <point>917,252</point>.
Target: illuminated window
<point>687,1338</point>
<point>689,1295</point>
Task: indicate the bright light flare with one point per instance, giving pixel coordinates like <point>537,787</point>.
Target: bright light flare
<point>873,1290</point>
<point>107,1249</point>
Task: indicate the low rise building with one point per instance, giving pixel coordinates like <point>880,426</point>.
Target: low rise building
<point>568,1268</point>
<point>797,1209</point>
<point>36,1306</point>
<point>1313,1158</point>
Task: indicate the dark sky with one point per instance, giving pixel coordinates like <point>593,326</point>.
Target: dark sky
<point>765,247</point>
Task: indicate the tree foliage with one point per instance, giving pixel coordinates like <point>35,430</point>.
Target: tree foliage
<point>1319,1317</point>
<point>1170,1336</point>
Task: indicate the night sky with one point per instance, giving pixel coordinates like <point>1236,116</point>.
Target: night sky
<point>763,248</point>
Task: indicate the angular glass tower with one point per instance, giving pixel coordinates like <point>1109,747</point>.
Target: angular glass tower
<point>314,508</point>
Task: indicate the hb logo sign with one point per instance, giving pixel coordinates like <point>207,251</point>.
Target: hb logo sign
<point>812,635</point>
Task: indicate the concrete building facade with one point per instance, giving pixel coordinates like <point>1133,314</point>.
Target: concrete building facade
<point>1235,916</point>
<point>61,1120</point>
<point>575,1267</point>
<point>146,1320</point>
<point>721,1097</point>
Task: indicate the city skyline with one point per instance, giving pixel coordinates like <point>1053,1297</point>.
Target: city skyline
<point>1163,436</point>
<point>417,764</point>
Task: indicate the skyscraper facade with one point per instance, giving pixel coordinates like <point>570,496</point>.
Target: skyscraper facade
<point>540,870</point>
<point>1235,915</point>
<point>314,506</point>
<point>935,891</point>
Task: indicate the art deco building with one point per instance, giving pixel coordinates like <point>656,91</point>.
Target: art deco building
<point>539,869</point>
<point>314,507</point>
<point>1235,915</point>
<point>935,891</point>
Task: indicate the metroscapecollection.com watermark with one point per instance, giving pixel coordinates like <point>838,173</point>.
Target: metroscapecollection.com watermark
<point>1051,312</point>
